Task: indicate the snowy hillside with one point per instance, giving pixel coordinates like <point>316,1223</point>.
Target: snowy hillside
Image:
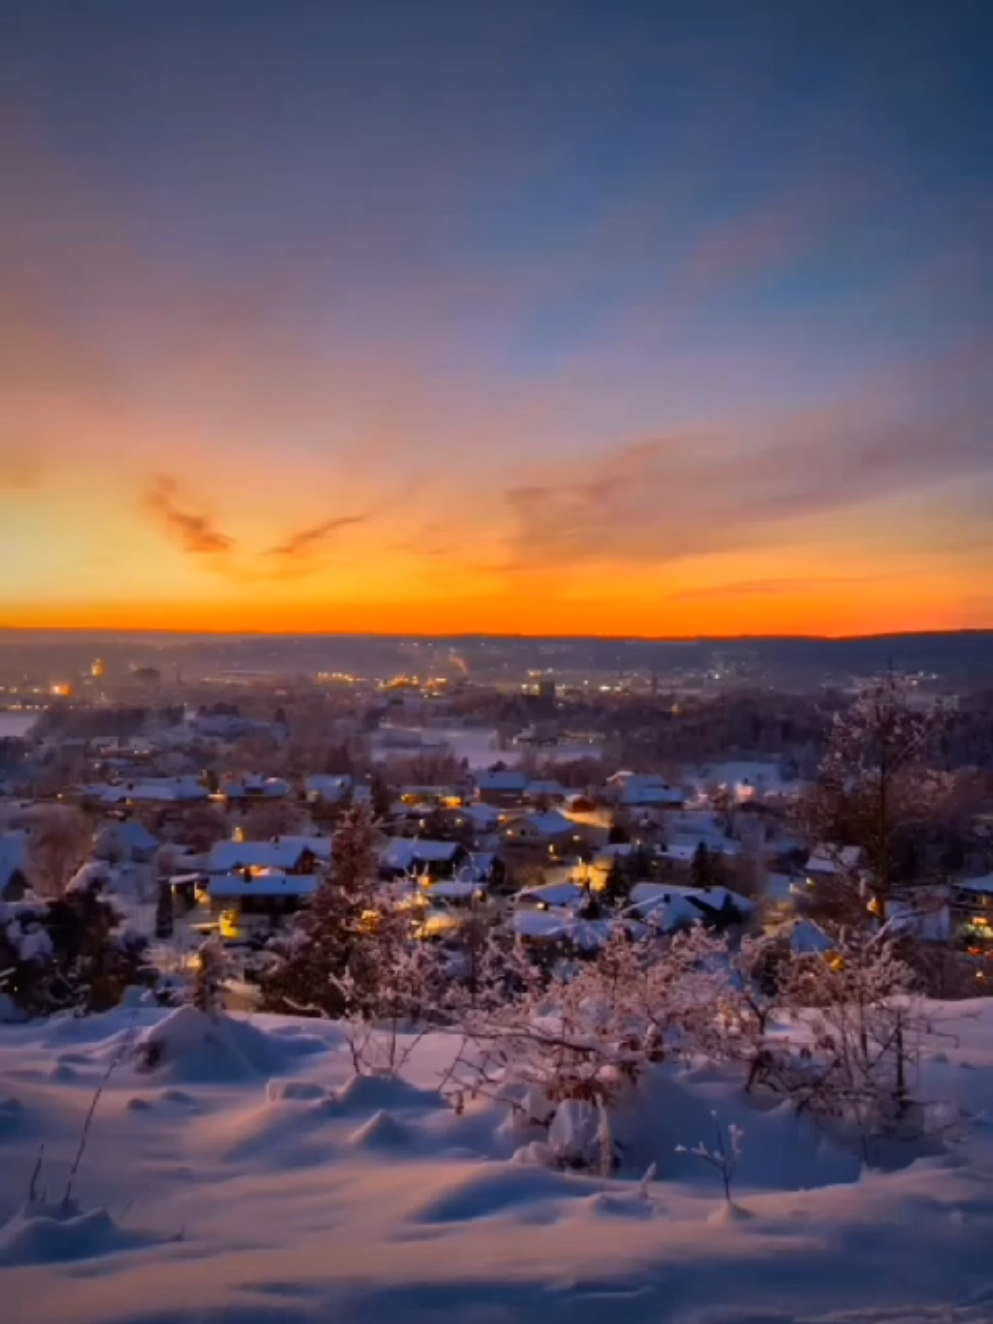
<point>237,1171</point>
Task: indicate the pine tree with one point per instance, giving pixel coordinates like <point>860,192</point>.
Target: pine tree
<point>323,967</point>
<point>701,867</point>
<point>164,919</point>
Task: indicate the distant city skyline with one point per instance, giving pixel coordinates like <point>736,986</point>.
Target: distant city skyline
<point>648,319</point>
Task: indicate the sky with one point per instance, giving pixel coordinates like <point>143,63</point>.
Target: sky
<point>646,317</point>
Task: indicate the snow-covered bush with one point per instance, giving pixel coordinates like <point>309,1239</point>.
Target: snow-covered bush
<point>74,952</point>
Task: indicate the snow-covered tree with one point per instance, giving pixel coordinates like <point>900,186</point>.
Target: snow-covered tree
<point>323,966</point>
<point>212,969</point>
<point>71,953</point>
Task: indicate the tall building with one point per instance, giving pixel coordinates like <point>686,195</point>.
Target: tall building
<point>97,668</point>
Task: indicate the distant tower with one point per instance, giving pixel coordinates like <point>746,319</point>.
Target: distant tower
<point>97,668</point>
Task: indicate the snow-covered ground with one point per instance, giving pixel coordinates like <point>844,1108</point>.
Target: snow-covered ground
<point>480,747</point>
<point>250,1178</point>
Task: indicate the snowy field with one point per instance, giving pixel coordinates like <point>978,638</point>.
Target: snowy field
<point>480,747</point>
<point>250,1178</point>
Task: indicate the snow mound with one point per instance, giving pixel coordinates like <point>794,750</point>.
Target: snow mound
<point>382,1131</point>
<point>369,1094</point>
<point>190,1047</point>
<point>279,1134</point>
<point>293,1091</point>
<point>51,1234</point>
<point>728,1213</point>
<point>611,1204</point>
<point>482,1192</point>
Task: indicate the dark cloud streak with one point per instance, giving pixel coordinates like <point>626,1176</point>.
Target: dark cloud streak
<point>194,531</point>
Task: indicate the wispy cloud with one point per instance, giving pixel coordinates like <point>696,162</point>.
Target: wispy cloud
<point>192,529</point>
<point>762,588</point>
<point>309,540</point>
<point>689,494</point>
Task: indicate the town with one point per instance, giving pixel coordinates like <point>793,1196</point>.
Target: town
<point>557,814</point>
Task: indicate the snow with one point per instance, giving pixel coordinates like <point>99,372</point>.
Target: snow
<point>405,852</point>
<point>250,1177</point>
<point>283,853</point>
<point>262,882</point>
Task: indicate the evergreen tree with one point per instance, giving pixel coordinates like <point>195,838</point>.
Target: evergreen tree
<point>164,917</point>
<point>322,967</point>
<point>701,867</point>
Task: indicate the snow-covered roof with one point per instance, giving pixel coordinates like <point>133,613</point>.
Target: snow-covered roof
<point>983,884</point>
<point>171,789</point>
<point>405,852</point>
<point>549,824</point>
<point>551,894</point>
<point>545,924</point>
<point>713,898</point>
<point>483,815</point>
<point>805,937</point>
<point>667,911</point>
<point>684,851</point>
<point>929,920</point>
<point>251,785</point>
<point>504,779</point>
<point>317,845</point>
<point>263,882</point>
<point>283,853</point>
<point>635,791</point>
<point>830,859</point>
<point>544,786</point>
<point>129,833</point>
<point>325,787</point>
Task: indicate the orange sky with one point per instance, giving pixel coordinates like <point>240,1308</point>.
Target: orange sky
<point>421,350</point>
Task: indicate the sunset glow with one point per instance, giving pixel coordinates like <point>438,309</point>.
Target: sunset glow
<point>492,320</point>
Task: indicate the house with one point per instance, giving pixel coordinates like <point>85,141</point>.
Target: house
<point>544,789</point>
<point>416,855</point>
<point>828,862</point>
<point>668,906</point>
<point>125,841</point>
<point>327,789</point>
<point>501,786</point>
<point>550,831</point>
<point>634,790</point>
<point>253,787</point>
<point>566,896</point>
<point>974,893</point>
<point>298,856</point>
<point>150,790</point>
<point>260,895</point>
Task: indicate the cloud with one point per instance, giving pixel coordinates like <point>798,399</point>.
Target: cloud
<point>194,531</point>
<point>307,541</point>
<point>774,587</point>
<point>687,494</point>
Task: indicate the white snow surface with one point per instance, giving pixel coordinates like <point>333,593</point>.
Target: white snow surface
<point>251,1178</point>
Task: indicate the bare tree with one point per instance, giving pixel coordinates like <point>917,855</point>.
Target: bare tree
<point>273,818</point>
<point>58,845</point>
<point>875,787</point>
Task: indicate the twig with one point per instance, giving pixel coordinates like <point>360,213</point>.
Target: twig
<point>33,1186</point>
<point>115,1061</point>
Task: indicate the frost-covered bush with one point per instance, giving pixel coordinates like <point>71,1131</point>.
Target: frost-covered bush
<point>71,953</point>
